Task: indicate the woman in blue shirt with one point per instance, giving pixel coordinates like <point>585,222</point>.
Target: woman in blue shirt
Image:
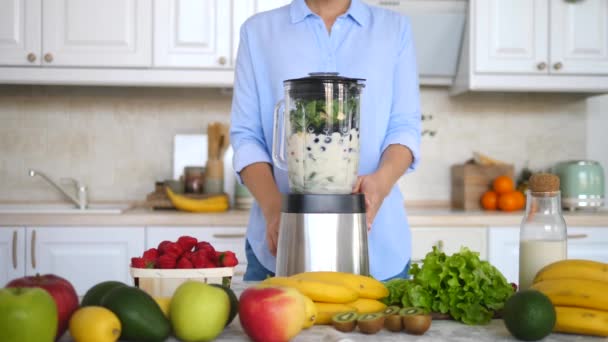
<point>358,41</point>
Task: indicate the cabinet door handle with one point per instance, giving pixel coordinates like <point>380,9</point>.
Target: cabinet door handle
<point>577,236</point>
<point>558,66</point>
<point>222,60</point>
<point>228,236</point>
<point>33,249</point>
<point>15,249</point>
<point>48,58</point>
<point>31,57</point>
<point>541,66</point>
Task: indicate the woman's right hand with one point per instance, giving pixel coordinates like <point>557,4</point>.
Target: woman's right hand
<point>272,214</point>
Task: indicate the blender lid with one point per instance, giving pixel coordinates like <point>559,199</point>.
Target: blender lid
<point>323,203</point>
<point>325,77</point>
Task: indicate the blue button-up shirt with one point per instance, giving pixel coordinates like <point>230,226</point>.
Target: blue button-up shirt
<point>365,42</point>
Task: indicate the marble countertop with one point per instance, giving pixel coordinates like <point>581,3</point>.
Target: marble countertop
<point>440,331</point>
<point>418,217</point>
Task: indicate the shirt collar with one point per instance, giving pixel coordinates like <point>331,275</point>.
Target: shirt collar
<point>357,10</point>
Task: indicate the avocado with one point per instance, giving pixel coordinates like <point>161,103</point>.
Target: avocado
<point>234,302</point>
<point>141,318</point>
<point>94,294</point>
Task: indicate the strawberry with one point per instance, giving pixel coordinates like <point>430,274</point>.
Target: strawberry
<point>188,255</point>
<point>166,261</point>
<point>187,242</point>
<point>138,263</point>
<point>227,259</point>
<point>150,255</point>
<point>162,246</point>
<point>184,263</point>
<point>200,260</point>
<point>174,249</point>
<point>208,249</point>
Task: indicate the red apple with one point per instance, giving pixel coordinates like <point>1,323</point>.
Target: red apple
<point>271,313</point>
<point>60,289</point>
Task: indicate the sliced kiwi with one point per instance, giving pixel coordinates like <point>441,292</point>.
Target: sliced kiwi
<point>391,310</point>
<point>371,323</point>
<point>345,321</point>
<point>415,321</point>
<point>393,323</point>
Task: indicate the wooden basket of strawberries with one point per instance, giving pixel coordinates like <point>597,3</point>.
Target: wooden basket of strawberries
<point>159,271</point>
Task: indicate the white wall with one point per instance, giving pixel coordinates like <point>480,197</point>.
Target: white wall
<point>597,133</point>
<point>119,140</point>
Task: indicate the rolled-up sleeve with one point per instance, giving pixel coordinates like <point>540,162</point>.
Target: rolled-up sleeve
<point>246,133</point>
<point>404,122</point>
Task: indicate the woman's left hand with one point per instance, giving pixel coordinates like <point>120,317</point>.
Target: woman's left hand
<point>375,190</point>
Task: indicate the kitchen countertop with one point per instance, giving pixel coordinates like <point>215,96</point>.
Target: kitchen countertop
<point>418,217</point>
<point>440,331</point>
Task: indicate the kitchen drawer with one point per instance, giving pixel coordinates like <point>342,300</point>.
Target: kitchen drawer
<point>449,240</point>
<point>222,238</point>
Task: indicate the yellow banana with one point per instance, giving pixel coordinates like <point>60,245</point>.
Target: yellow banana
<point>316,290</point>
<point>366,287</point>
<point>581,321</point>
<point>365,305</point>
<point>206,205</point>
<point>311,313</point>
<point>325,311</point>
<point>581,293</point>
<point>574,268</point>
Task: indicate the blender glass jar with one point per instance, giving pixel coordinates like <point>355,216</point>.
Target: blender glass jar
<point>316,137</point>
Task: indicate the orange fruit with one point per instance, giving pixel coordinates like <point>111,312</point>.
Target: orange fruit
<point>508,201</point>
<point>520,199</point>
<point>489,200</point>
<point>503,184</point>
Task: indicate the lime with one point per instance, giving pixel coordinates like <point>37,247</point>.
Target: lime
<point>529,315</point>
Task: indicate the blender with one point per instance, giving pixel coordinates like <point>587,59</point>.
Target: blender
<point>316,139</point>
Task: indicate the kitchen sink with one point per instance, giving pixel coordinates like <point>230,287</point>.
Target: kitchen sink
<point>62,208</point>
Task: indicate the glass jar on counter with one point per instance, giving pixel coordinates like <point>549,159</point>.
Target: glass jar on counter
<point>543,232</point>
<point>194,179</point>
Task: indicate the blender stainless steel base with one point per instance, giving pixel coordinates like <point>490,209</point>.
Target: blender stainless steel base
<point>322,233</point>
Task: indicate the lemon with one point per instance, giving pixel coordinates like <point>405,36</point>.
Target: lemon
<point>94,324</point>
<point>164,303</point>
<point>311,313</point>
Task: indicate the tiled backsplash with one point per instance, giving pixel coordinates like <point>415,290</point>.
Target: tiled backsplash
<point>118,141</point>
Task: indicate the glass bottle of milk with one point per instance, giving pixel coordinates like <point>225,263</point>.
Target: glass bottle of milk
<point>543,232</point>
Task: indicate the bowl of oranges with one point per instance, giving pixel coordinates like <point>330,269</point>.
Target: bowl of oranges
<point>503,196</point>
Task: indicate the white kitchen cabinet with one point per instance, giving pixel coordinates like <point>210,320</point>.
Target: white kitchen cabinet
<point>20,27</point>
<point>449,240</point>
<point>222,239</point>
<point>511,36</point>
<point>193,33</point>
<point>12,253</point>
<point>579,37</point>
<point>111,33</point>
<point>534,45</point>
<point>583,243</point>
<point>83,255</point>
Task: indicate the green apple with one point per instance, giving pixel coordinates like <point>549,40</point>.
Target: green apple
<point>27,315</point>
<point>198,311</point>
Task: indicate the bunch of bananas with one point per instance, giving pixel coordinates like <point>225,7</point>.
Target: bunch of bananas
<point>211,204</point>
<point>336,292</point>
<point>579,291</point>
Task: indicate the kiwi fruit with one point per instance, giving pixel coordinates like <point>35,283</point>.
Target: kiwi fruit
<point>391,310</point>
<point>345,321</point>
<point>393,323</point>
<point>371,323</point>
<point>415,320</point>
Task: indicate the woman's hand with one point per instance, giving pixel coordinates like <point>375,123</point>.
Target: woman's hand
<point>375,190</point>
<point>273,218</point>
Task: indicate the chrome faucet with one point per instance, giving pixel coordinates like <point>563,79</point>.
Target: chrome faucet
<point>79,196</point>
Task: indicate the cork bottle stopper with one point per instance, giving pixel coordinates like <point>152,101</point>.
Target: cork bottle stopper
<point>544,182</point>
